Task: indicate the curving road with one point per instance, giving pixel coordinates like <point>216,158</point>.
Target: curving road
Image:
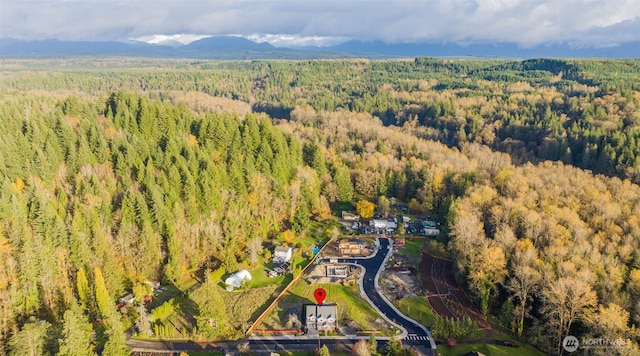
<point>414,335</point>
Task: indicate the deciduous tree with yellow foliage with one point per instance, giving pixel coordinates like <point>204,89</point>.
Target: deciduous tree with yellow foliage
<point>365,209</point>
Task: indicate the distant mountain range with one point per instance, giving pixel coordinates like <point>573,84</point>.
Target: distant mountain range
<point>229,47</point>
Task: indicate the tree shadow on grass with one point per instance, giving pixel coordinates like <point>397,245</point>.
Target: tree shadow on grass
<point>187,310</point>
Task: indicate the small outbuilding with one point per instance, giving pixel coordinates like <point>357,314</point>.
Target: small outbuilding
<point>237,279</point>
<point>127,299</point>
<point>350,216</point>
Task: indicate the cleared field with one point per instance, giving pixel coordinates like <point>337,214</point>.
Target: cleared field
<point>353,310</point>
<point>245,305</point>
<point>242,307</point>
<point>261,279</point>
<point>412,249</point>
<point>418,309</point>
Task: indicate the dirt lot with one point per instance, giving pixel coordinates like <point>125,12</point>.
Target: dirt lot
<point>400,277</point>
<point>445,296</point>
<point>367,244</point>
<point>317,274</point>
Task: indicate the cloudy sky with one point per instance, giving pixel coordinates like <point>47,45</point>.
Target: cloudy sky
<point>322,22</point>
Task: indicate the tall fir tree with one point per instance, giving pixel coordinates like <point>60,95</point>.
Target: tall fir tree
<point>77,334</point>
<point>84,293</point>
<point>103,299</point>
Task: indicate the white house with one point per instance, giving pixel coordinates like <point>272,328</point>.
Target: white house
<point>127,299</point>
<point>282,254</point>
<point>153,284</point>
<point>236,279</point>
<point>383,224</point>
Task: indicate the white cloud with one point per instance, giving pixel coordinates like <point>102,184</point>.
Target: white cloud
<point>319,22</point>
<point>286,40</point>
<point>171,40</point>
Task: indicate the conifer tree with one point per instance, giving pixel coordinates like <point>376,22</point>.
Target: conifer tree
<point>300,220</point>
<point>393,348</point>
<point>323,351</point>
<point>31,339</point>
<point>116,344</point>
<point>103,299</point>
<point>84,292</point>
<point>373,345</point>
<point>77,334</point>
<point>342,179</point>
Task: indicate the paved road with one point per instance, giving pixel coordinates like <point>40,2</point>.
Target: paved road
<point>255,345</point>
<point>415,335</point>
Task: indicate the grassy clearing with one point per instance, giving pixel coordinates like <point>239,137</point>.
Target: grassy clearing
<point>259,277</point>
<point>351,306</point>
<point>242,306</point>
<point>417,308</point>
<point>412,250</point>
<point>245,306</point>
<point>488,350</point>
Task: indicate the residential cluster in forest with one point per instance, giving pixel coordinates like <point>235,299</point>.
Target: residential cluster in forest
<point>182,171</point>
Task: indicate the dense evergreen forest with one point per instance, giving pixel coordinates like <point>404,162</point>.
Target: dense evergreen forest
<point>113,193</point>
<point>128,171</point>
<point>580,112</point>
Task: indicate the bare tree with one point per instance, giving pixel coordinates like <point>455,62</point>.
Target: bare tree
<point>566,300</point>
<point>361,348</point>
<point>254,246</point>
<point>524,279</point>
<point>468,237</point>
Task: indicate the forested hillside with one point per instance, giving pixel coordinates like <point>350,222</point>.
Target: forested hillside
<point>126,171</point>
<point>549,248</point>
<point>580,112</point>
<point>112,193</point>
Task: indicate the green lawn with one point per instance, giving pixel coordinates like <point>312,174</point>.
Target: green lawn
<point>259,277</point>
<point>351,306</point>
<point>412,249</point>
<point>242,307</point>
<point>488,350</point>
<point>417,308</point>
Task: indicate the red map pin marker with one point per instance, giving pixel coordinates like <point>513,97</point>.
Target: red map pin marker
<point>320,294</point>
